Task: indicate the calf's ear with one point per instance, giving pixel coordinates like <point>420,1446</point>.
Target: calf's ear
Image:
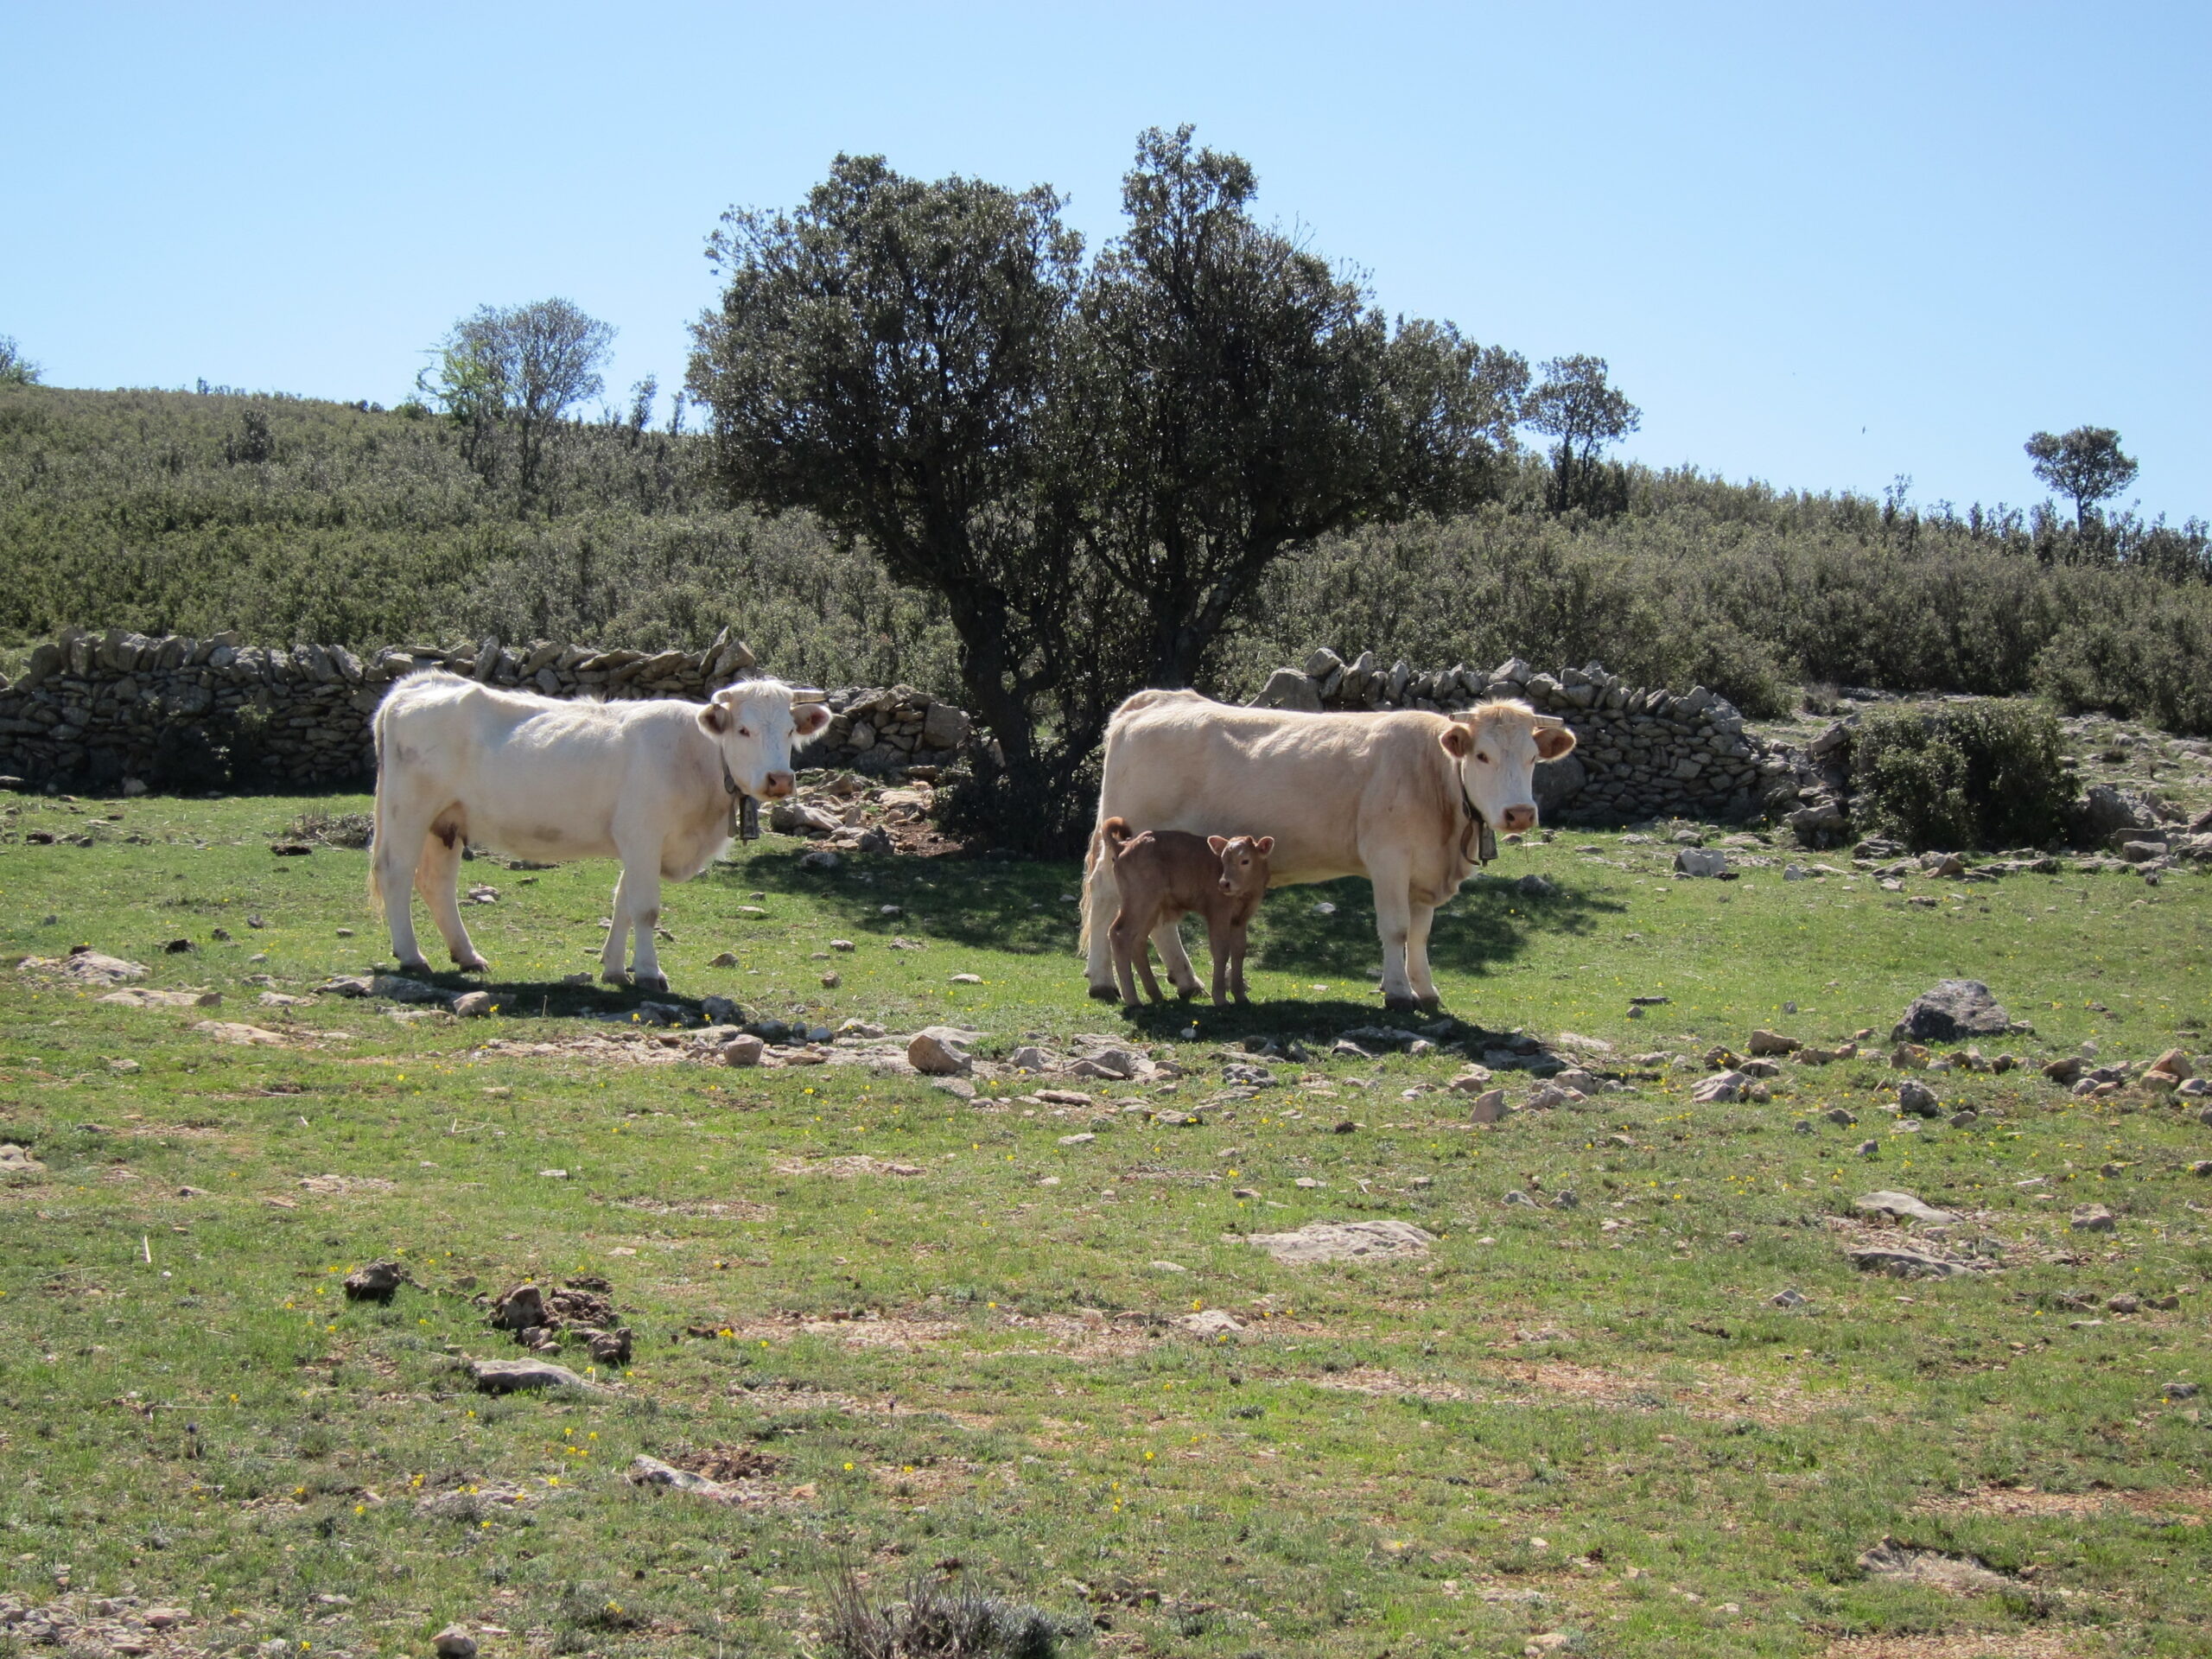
<point>808,718</point>
<point>1457,741</point>
<point>1216,844</point>
<point>1265,845</point>
<point>713,719</point>
<point>1552,741</point>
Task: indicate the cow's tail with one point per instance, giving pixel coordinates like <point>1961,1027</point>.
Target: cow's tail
<point>376,832</point>
<point>1106,841</point>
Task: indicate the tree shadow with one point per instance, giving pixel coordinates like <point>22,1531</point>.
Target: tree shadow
<point>1009,905</point>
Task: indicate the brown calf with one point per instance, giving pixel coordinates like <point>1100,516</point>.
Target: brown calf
<point>1164,875</point>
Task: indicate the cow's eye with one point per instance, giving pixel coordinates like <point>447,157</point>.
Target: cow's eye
<point>745,731</point>
<point>1482,757</point>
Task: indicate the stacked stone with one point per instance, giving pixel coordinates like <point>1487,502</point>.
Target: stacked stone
<point>1639,752</point>
<point>100,711</point>
<point>874,729</point>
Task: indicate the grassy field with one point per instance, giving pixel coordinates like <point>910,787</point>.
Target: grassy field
<point>1585,1427</point>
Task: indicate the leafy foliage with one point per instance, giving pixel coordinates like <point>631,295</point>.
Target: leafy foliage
<point>2085,464</point>
<point>1575,404</point>
<point>512,373</point>
<point>1976,777</point>
<point>16,369</point>
<point>936,1621</point>
<point>1090,472</point>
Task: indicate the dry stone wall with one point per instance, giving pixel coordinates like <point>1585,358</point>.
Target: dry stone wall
<point>1640,753</point>
<point>104,711</point>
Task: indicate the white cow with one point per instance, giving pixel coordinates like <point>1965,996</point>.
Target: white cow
<point>1405,799</point>
<point>654,784</point>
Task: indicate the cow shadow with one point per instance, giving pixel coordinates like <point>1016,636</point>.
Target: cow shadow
<point>1486,925</point>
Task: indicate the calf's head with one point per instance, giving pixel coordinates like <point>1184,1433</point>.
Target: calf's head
<point>1496,747</point>
<point>752,723</point>
<point>1243,862</point>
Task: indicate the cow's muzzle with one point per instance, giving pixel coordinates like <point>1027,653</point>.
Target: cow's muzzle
<point>1518,820</point>
<point>777,785</point>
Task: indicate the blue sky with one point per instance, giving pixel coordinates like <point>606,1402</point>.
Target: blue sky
<point>1819,245</point>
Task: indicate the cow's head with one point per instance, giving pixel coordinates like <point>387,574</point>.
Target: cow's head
<point>752,723</point>
<point>1496,746</point>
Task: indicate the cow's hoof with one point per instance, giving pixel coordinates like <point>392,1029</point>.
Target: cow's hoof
<point>1402,1004</point>
<point>615,977</point>
<point>471,965</point>
<point>418,966</point>
<point>649,981</point>
<point>1104,994</point>
<point>1188,992</point>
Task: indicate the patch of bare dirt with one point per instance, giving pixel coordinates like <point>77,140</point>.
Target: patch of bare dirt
<point>2189,1505</point>
<point>714,1209</point>
<point>346,1186</point>
<point>1964,1644</point>
<point>1377,1383</point>
<point>729,1463</point>
<point>856,1164</point>
<point>1719,1393</point>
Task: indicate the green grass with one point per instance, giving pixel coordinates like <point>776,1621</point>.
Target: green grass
<point>1544,1425</point>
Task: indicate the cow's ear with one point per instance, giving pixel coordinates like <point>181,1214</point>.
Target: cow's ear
<point>1217,845</point>
<point>1457,741</point>
<point>1265,845</point>
<point>713,719</point>
<point>808,718</point>
<point>1552,741</point>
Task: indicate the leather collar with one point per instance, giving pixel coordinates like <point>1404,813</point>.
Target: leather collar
<point>1477,842</point>
<point>744,810</point>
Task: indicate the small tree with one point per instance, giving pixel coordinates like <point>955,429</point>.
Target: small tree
<point>2085,464</point>
<point>1573,403</point>
<point>516,369</point>
<point>16,369</point>
<point>883,358</point>
<point>1232,399</point>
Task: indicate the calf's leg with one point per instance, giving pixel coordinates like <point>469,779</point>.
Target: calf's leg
<point>1219,931</point>
<point>1168,936</point>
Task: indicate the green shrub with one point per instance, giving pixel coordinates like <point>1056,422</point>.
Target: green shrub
<point>1976,776</point>
<point>2156,666</point>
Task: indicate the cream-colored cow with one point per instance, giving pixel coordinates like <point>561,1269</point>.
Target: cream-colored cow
<point>1402,798</point>
<point>655,783</point>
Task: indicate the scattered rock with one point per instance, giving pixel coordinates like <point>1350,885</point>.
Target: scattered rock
<point>1903,1263</point>
<point>943,1052</point>
<point>1903,1204</point>
<point>1489,1107</point>
<point>1210,1322</point>
<point>454,1642</point>
<point>243,1036</point>
<point>1788,1297</point>
<point>1721,1087</point>
<point>137,996</point>
<point>744,1049</point>
<point>966,979</point>
<point>2066,1069</point>
<point>1766,1044</point>
<point>1701,861</point>
<point>2093,1218</point>
<point>508,1376</point>
<point>2173,1063</point>
<point>473,1005</point>
<point>18,1160</point>
<point>1917,1098</point>
<point>1964,1118</point>
<point>1952,1010</point>
<point>720,959</point>
<point>652,1471</point>
<point>377,1282</point>
<point>2125,1302</point>
<point>84,965</point>
<point>1344,1241</point>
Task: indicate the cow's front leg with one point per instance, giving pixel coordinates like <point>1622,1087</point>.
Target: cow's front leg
<point>1394,925</point>
<point>643,881</point>
<point>1417,955</point>
<point>617,934</point>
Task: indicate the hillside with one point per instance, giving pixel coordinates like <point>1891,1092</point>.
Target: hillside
<point>290,519</point>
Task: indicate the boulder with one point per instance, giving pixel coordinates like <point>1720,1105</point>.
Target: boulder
<point>1916,1099</point>
<point>1344,1241</point>
<point>1767,1043</point>
<point>377,1282</point>
<point>512,1375</point>
<point>1703,861</point>
<point>1289,688</point>
<point>2104,809</point>
<point>1952,1010</point>
<point>1903,1204</point>
<point>940,1052</point>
